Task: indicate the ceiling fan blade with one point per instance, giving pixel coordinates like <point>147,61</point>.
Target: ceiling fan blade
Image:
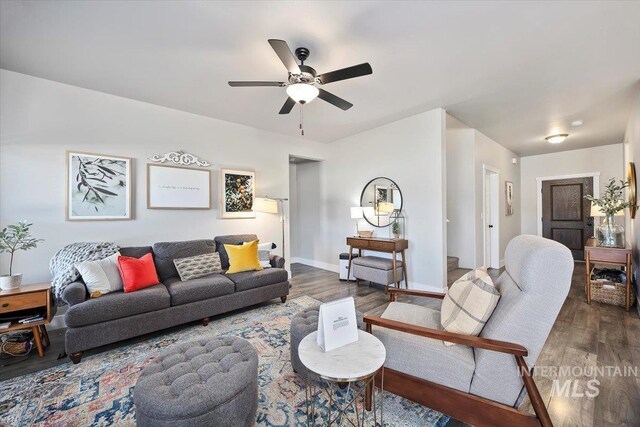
<point>288,106</point>
<point>252,84</point>
<point>346,73</point>
<point>335,100</point>
<point>284,53</point>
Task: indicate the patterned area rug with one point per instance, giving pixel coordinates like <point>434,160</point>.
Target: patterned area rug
<point>98,391</point>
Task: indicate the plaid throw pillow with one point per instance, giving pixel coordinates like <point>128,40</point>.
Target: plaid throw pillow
<point>468,304</point>
<point>198,266</point>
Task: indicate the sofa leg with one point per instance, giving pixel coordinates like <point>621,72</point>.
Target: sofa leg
<point>76,357</point>
<point>205,321</point>
<point>283,299</point>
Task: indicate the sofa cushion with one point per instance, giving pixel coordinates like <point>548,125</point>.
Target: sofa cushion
<point>136,251</point>
<point>255,279</point>
<point>198,289</point>
<point>116,305</point>
<point>233,239</point>
<point>197,266</point>
<point>468,303</point>
<point>166,252</point>
<point>422,357</point>
<point>243,257</point>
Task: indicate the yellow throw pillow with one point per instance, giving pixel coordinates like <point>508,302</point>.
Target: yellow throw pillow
<point>243,257</point>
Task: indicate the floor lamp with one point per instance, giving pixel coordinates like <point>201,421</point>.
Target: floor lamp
<point>269,205</point>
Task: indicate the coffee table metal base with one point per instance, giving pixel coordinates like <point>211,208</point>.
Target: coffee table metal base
<point>337,416</point>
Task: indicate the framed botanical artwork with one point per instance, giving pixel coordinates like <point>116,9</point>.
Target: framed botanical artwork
<point>176,187</point>
<point>98,187</point>
<point>237,193</point>
<point>508,193</point>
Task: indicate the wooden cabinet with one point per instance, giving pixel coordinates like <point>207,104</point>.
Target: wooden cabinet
<point>377,244</point>
<point>615,257</point>
<point>28,297</point>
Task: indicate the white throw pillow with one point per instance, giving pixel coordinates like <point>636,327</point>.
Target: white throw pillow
<point>264,253</point>
<point>101,276</point>
<point>468,304</point>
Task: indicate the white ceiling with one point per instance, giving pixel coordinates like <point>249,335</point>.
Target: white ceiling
<point>515,71</point>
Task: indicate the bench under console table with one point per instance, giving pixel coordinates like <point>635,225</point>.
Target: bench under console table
<point>377,244</point>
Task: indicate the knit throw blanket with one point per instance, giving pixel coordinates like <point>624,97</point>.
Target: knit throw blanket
<point>62,265</point>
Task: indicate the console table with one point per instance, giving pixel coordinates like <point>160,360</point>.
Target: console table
<point>28,297</point>
<point>608,256</point>
<point>379,244</point>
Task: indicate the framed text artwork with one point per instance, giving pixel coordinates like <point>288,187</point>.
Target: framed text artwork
<point>98,187</point>
<point>174,187</point>
<point>237,193</point>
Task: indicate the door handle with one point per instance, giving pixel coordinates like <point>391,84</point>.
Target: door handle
<point>490,226</point>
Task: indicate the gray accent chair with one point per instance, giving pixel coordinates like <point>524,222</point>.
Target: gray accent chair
<point>116,316</point>
<point>481,380</point>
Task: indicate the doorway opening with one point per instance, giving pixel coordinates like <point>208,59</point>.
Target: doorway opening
<point>491,216</point>
<point>305,209</point>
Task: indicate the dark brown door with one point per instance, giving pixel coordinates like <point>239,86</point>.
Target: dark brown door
<point>566,213</point>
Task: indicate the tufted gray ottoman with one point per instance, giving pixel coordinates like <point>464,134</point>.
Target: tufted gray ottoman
<point>208,382</point>
<point>302,324</point>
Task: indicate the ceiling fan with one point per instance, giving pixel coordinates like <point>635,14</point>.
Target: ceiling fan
<point>303,80</point>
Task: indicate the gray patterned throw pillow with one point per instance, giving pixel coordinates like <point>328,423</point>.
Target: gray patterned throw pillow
<point>198,266</point>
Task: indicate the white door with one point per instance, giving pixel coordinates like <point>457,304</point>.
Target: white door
<point>491,217</point>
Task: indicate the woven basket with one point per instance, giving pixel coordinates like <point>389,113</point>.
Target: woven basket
<point>609,292</point>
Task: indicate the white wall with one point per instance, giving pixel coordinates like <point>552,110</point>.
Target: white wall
<point>607,159</point>
<point>412,153</point>
<point>467,152</point>
<point>293,212</point>
<point>461,193</point>
<point>309,236</point>
<point>490,153</point>
<point>40,119</point>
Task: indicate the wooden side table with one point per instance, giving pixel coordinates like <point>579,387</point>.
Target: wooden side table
<point>608,256</point>
<point>378,244</point>
<point>28,297</point>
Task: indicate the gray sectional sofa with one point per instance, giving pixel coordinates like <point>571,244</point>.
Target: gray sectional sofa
<point>94,322</point>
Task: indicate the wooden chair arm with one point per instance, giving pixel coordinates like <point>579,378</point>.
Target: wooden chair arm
<point>471,341</point>
<point>395,291</point>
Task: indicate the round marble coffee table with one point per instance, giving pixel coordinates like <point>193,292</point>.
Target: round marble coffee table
<point>355,365</point>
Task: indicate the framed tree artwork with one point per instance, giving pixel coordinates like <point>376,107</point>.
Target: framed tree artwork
<point>237,193</point>
<point>508,196</point>
<point>98,187</point>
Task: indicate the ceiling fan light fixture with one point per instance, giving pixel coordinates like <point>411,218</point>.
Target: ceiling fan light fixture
<point>557,139</point>
<point>302,92</point>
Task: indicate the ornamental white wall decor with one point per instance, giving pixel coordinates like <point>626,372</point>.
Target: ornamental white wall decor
<point>179,158</point>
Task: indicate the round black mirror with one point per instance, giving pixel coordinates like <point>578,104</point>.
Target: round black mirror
<point>380,198</point>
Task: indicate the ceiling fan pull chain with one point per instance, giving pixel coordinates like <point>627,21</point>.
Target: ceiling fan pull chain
<point>301,121</point>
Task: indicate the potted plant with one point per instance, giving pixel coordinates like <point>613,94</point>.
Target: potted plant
<point>608,233</point>
<point>15,237</point>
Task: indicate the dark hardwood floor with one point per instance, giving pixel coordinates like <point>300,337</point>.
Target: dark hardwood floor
<point>586,336</point>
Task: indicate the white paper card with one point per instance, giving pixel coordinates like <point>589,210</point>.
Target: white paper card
<point>337,325</point>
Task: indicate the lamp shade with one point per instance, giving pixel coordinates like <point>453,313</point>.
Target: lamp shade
<point>385,207</point>
<point>263,204</point>
<point>356,212</point>
<point>595,211</point>
<point>302,92</point>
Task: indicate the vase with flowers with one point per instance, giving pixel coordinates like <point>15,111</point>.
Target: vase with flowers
<point>608,233</point>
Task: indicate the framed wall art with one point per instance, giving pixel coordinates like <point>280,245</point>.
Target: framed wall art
<point>98,187</point>
<point>175,187</point>
<point>508,197</point>
<point>237,193</point>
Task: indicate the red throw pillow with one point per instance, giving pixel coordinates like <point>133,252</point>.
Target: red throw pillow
<point>137,273</point>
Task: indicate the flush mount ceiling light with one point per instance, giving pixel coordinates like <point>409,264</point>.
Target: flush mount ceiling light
<point>302,92</point>
<point>557,139</point>
<point>577,123</point>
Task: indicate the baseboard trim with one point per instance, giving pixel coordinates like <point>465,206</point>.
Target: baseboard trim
<point>318,264</point>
